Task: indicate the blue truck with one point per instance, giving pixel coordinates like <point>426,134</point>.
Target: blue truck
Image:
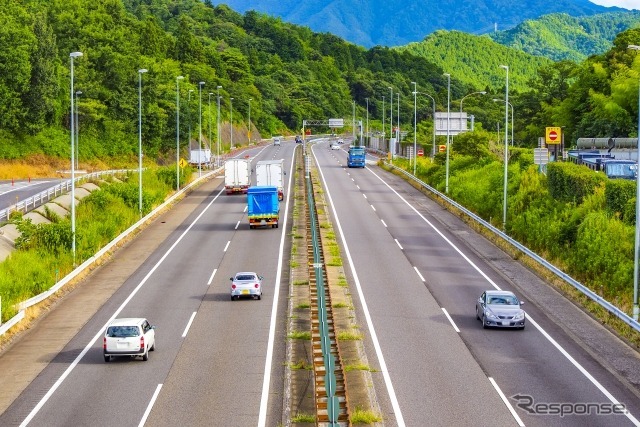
<point>356,157</point>
<point>263,207</point>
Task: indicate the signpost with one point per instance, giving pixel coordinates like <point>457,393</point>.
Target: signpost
<point>553,135</point>
<point>420,152</point>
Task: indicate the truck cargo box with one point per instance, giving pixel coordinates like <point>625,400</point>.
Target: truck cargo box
<point>237,175</point>
<point>270,173</point>
<point>263,207</point>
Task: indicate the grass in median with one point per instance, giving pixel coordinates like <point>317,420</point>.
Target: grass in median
<point>362,416</point>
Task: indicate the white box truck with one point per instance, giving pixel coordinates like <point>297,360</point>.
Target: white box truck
<point>200,157</point>
<point>271,173</point>
<point>237,175</point>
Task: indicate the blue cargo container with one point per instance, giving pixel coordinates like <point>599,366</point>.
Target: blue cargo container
<point>263,206</point>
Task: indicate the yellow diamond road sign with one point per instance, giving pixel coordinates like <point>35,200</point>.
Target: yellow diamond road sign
<point>553,135</point>
<point>183,163</point>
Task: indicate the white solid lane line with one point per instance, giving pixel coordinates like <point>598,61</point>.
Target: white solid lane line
<point>150,406</point>
<point>397,412</point>
<point>227,246</point>
<point>542,331</point>
<point>506,402</point>
<point>84,351</point>
<point>186,329</point>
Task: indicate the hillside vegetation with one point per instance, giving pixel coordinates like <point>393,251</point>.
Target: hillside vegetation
<point>560,36</point>
<point>476,60</point>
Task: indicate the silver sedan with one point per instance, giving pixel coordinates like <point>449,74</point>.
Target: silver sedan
<point>501,309</point>
<point>246,284</point>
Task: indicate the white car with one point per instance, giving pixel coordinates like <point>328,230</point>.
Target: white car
<point>246,284</point>
<point>129,337</point>
<point>334,146</point>
<point>277,140</point>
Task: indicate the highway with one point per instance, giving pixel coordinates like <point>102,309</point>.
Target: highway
<point>418,271</point>
<point>415,271</point>
<point>12,192</point>
<point>214,358</point>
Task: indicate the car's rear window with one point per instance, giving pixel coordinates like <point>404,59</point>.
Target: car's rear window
<point>123,331</point>
<point>503,300</point>
<point>245,277</point>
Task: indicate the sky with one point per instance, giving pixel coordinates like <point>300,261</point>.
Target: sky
<point>627,4</point>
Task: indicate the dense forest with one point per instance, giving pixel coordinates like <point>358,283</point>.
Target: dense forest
<point>284,73</point>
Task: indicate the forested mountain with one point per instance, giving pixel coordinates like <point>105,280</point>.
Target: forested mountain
<point>398,22</point>
<point>476,60</point>
<point>289,72</point>
<point>560,36</point>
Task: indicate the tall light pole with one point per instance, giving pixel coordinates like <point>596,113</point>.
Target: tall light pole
<point>636,309</point>
<point>178,132</point>
<point>78,93</point>
<point>210,93</point>
<point>482,92</point>
<point>367,122</point>
<point>218,130</point>
<point>140,73</point>
<point>433,148</point>
<point>200,84</point>
<point>353,121</point>
<point>446,185</point>
<point>249,127</point>
<point>398,120</point>
<point>73,170</point>
<point>189,113</point>
<point>391,124</point>
<point>415,125</point>
<point>510,105</point>
<point>506,148</point>
<point>383,114</point>
<point>231,108</point>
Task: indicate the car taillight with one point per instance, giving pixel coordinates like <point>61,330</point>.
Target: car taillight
<point>104,343</point>
<point>142,342</point>
<point>256,285</point>
<point>233,286</point>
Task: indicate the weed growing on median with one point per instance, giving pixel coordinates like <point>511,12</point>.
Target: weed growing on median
<point>299,335</point>
<point>365,416</point>
<point>304,418</point>
<point>349,336</point>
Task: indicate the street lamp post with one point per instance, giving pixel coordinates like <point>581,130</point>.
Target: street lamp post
<point>249,124</point>
<point>636,309</point>
<point>510,105</point>
<point>383,114</point>
<point>391,148</point>
<point>506,148</point>
<point>367,122</point>
<point>482,92</point>
<point>433,148</point>
<point>200,84</point>
<point>210,93</point>
<point>231,108</point>
<point>78,93</point>
<point>415,125</point>
<point>446,186</point>
<point>218,129</point>
<point>73,171</point>
<point>398,119</point>
<point>178,132</point>
<point>189,113</point>
<point>353,121</point>
<point>140,73</point>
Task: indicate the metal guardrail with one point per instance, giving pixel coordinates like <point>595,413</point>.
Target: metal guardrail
<point>51,193</point>
<point>543,262</point>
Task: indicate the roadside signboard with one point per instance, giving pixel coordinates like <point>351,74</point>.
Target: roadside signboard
<point>420,152</point>
<point>336,123</point>
<point>540,156</point>
<point>553,135</point>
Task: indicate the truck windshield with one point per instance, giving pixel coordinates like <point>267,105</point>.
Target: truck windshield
<point>356,150</point>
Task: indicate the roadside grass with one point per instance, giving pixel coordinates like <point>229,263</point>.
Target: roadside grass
<point>299,335</point>
<point>301,365</point>
<point>362,416</point>
<point>43,252</point>
<point>358,367</point>
<point>350,336</point>
<point>303,418</point>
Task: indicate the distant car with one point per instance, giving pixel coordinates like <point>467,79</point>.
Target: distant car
<point>246,284</point>
<point>277,140</point>
<point>129,337</point>
<point>501,309</point>
<point>298,139</point>
<point>334,146</point>
<point>340,141</point>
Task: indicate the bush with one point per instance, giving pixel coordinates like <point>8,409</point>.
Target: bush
<point>618,193</point>
<point>571,183</point>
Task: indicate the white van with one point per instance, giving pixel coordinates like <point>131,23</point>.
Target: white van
<point>277,140</point>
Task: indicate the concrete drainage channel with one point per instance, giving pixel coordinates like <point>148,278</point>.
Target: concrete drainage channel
<point>314,396</point>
